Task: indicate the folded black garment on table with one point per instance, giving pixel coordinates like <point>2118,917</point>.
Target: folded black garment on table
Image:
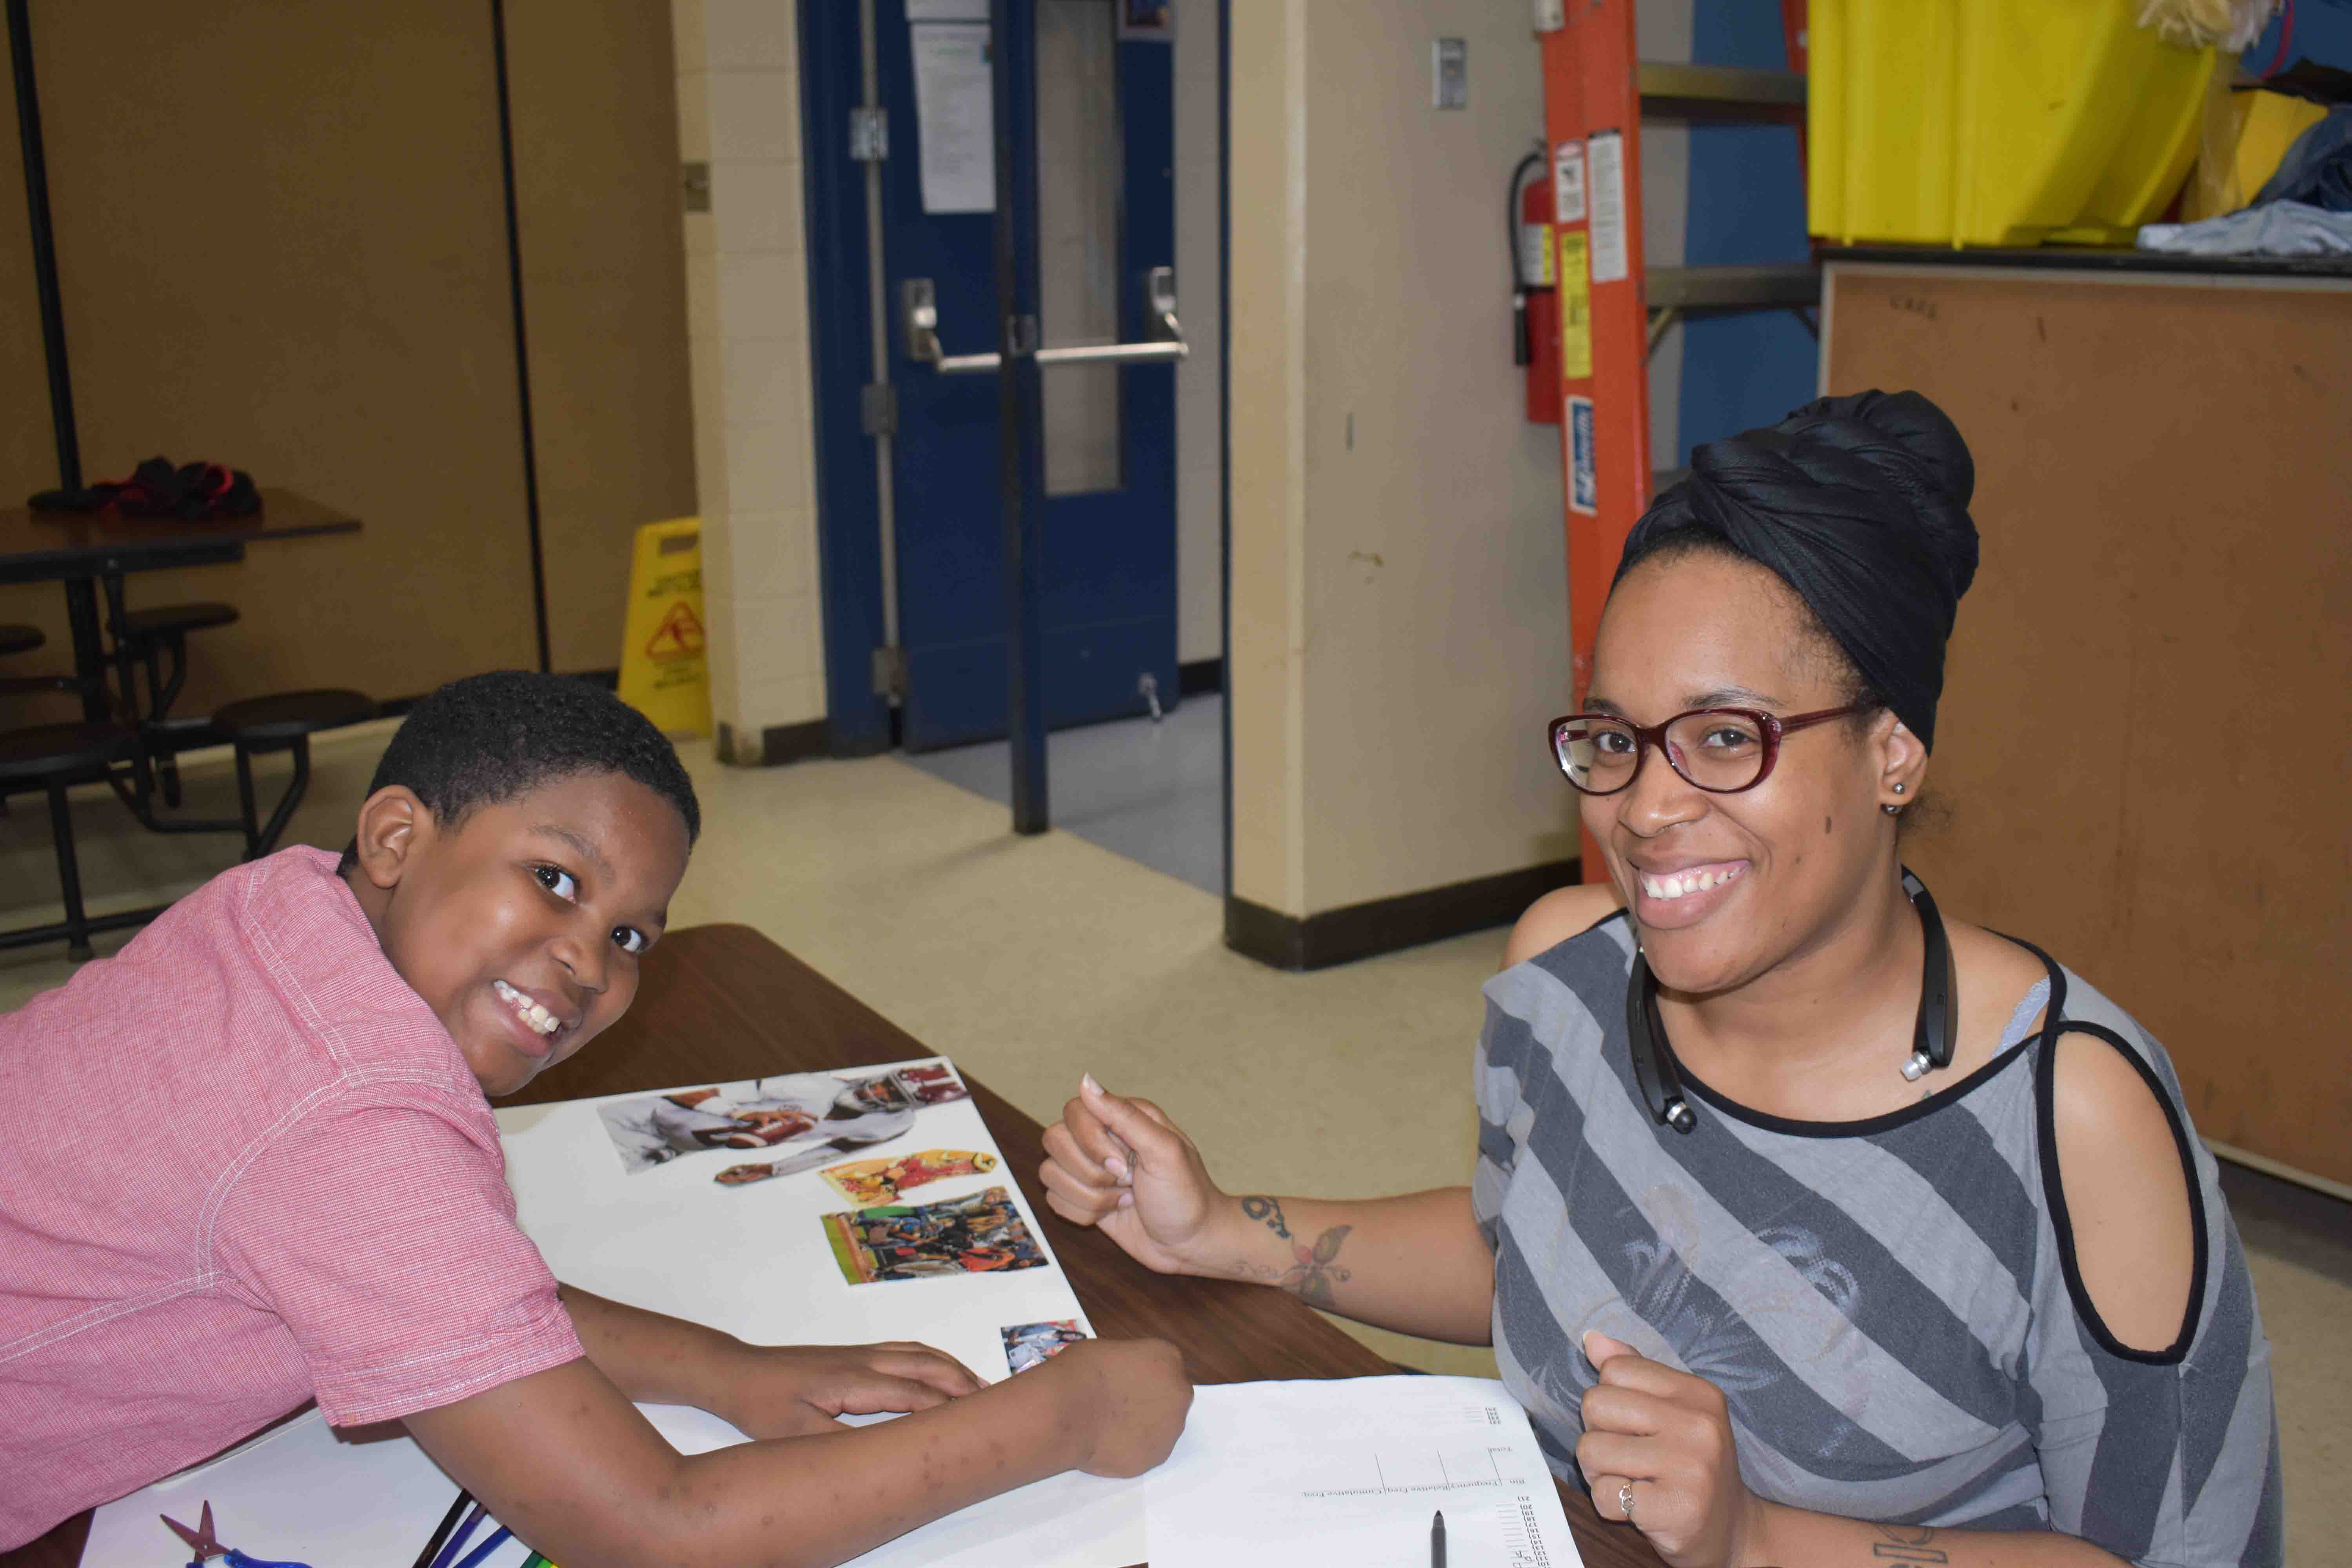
<point>191,492</point>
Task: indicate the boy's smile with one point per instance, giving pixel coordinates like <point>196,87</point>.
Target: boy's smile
<point>522,927</point>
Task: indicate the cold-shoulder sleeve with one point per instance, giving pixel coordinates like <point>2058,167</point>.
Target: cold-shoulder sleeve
<point>2167,1456</point>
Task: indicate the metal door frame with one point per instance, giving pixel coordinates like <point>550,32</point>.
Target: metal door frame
<point>841,327</point>
<point>1021,407</point>
<point>850,571</point>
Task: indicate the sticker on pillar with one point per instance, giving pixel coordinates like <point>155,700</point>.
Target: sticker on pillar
<point>1575,308</point>
<point>1568,184</point>
<point>1583,474</point>
<point>663,672</point>
<point>1609,256</point>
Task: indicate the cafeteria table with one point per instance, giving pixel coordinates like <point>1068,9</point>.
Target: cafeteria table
<point>91,552</point>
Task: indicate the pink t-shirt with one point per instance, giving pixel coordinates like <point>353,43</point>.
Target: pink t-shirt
<point>243,1166</point>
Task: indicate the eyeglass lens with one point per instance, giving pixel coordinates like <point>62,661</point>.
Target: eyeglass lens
<point>1714,750</point>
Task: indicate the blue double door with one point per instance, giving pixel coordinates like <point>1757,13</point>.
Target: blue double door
<point>1089,87</point>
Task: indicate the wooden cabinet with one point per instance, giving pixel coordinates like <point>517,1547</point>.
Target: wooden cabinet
<point>2145,737</point>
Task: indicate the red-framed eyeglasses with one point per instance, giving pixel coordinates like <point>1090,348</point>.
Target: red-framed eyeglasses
<point>1722,750</point>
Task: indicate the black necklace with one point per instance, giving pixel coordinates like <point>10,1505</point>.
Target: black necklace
<point>1931,1035</point>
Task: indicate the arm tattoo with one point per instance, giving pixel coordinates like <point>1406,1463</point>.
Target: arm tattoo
<point>1313,1270</point>
<point>1311,1277</point>
<point>1908,1544</point>
<point>1268,1209</point>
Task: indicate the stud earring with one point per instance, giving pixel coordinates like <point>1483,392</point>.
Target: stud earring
<point>1892,810</point>
<point>1898,788</point>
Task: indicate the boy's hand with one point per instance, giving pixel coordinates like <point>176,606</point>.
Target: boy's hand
<point>790,1390</point>
<point>1131,1395</point>
<point>1122,1165</point>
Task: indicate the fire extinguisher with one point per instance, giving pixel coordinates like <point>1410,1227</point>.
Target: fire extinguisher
<point>1535,299</point>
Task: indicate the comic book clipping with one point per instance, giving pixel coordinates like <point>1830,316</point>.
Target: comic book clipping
<point>981,1234</point>
<point>807,1119</point>
<point>1033,1344</point>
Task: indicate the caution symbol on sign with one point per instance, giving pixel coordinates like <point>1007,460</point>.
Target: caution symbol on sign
<point>678,636</point>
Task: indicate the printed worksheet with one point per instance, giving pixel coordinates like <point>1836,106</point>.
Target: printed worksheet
<point>303,1493</point>
<point>1269,1475</point>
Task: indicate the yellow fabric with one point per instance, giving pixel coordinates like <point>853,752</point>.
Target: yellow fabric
<point>2246,139</point>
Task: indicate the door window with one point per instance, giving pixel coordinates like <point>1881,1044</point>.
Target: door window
<point>1079,196</point>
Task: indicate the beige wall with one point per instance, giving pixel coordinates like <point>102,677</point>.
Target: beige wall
<point>596,187</point>
<point>747,321</point>
<point>1399,590</point>
<point>283,247</point>
<point>1267,328</point>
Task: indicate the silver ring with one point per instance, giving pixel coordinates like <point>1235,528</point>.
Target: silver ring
<point>1625,1499</point>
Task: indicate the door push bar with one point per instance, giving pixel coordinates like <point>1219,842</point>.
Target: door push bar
<point>920,314</point>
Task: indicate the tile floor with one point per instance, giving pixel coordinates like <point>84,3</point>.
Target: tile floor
<point>1153,791</point>
<point>1031,960</point>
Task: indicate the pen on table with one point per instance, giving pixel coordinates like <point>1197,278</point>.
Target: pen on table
<point>458,1538</point>
<point>1437,1539</point>
<point>441,1532</point>
<point>496,1538</point>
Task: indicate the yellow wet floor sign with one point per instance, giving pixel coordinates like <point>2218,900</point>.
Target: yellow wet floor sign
<point>662,674</point>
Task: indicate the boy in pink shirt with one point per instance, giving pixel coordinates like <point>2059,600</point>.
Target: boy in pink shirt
<point>299,1193</point>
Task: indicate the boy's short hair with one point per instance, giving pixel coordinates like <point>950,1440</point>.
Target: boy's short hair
<point>491,737</point>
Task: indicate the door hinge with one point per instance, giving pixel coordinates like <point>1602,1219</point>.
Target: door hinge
<point>878,409</point>
<point>869,135</point>
<point>890,673</point>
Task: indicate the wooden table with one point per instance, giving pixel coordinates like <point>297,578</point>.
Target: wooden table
<point>723,1002</point>
<point>92,552</point>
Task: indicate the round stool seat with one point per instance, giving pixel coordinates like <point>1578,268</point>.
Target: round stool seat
<point>53,748</point>
<point>168,620</point>
<point>20,639</point>
<point>289,716</point>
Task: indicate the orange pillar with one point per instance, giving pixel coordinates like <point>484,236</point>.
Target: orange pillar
<point>1592,119</point>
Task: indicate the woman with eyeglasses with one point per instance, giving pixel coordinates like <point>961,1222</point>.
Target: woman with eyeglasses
<point>1810,1226</point>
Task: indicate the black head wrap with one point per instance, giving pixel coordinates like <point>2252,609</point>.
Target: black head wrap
<point>1861,504</point>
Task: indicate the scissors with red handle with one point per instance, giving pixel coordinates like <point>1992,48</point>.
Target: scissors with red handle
<point>205,1545</point>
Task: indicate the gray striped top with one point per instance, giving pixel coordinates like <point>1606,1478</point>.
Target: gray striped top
<point>1890,1307</point>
